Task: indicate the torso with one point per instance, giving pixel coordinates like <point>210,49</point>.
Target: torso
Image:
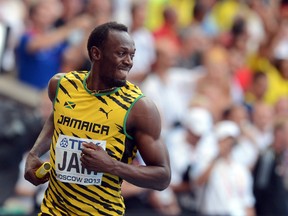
<point>80,115</point>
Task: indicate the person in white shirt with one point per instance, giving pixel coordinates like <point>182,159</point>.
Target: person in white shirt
<point>144,43</point>
<point>184,144</point>
<point>187,145</point>
<point>227,183</point>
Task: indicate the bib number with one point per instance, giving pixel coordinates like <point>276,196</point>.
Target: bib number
<point>68,165</point>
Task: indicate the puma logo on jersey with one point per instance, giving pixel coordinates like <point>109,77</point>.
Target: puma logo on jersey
<point>69,105</point>
<point>103,111</point>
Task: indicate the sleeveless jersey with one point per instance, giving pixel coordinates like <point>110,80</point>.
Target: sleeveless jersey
<point>81,115</point>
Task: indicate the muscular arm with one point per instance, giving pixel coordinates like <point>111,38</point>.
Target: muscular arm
<point>146,124</point>
<point>144,120</point>
<point>42,143</point>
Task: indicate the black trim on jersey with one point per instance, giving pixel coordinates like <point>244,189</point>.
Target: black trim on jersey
<point>126,99</point>
<point>105,184</point>
<point>130,96</point>
<point>112,179</point>
<point>120,129</point>
<point>77,76</point>
<point>75,135</point>
<point>73,83</point>
<point>64,90</point>
<point>118,102</point>
<point>88,137</point>
<point>135,86</point>
<point>60,132</point>
<point>83,187</point>
<point>118,140</point>
<point>129,151</point>
<point>67,193</point>
<point>106,203</point>
<point>100,98</point>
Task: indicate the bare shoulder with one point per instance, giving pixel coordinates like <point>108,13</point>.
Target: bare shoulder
<point>146,104</point>
<point>144,117</point>
<point>52,85</point>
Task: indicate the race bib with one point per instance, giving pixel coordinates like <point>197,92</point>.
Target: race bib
<point>68,165</point>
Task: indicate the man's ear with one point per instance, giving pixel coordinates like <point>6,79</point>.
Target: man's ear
<point>95,53</point>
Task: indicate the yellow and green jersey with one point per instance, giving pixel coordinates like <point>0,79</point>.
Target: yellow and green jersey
<point>83,116</point>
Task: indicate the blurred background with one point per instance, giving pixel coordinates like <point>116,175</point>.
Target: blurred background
<point>216,69</point>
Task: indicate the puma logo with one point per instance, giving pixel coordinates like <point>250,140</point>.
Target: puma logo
<point>103,111</point>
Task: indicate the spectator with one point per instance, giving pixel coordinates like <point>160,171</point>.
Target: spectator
<point>158,81</point>
<point>98,12</point>
<point>269,174</point>
<point>246,152</point>
<point>202,20</point>
<point>215,81</point>
<point>144,42</point>
<point>194,142</point>
<point>74,60</point>
<point>120,11</point>
<point>192,45</point>
<point>41,47</point>
<point>281,106</point>
<point>255,24</point>
<point>169,29</point>
<point>257,89</point>
<point>272,59</point>
<point>262,120</point>
<point>71,9</point>
<point>228,189</point>
<point>102,11</point>
<point>238,53</point>
<point>224,13</point>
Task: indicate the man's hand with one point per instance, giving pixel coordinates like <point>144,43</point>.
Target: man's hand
<point>95,158</point>
<point>32,164</point>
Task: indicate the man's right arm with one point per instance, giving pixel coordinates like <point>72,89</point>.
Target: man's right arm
<point>40,147</point>
<point>42,144</point>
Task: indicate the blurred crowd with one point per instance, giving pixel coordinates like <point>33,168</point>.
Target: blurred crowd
<point>217,71</point>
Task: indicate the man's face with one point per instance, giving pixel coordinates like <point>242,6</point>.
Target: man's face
<point>116,58</point>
